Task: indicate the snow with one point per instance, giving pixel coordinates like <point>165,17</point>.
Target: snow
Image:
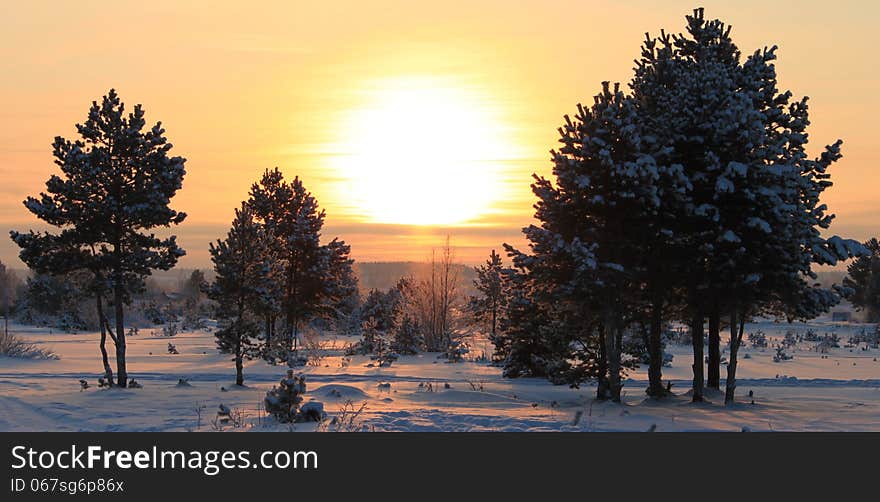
<point>424,393</point>
<point>729,236</point>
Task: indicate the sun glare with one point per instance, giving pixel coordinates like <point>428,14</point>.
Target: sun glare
<point>421,151</point>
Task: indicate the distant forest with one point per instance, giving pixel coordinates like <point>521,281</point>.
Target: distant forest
<point>371,275</point>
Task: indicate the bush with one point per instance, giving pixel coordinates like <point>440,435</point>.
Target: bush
<point>407,339</point>
<point>283,401</point>
<point>781,355</point>
<point>12,346</point>
<point>828,342</point>
<point>456,351</point>
<point>170,330</point>
<point>758,340</point>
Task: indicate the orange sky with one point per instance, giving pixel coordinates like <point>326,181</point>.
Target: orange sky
<point>324,91</point>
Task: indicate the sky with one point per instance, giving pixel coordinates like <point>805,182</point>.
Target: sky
<point>408,121</point>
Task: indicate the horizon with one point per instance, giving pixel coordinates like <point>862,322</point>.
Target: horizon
<point>479,90</point>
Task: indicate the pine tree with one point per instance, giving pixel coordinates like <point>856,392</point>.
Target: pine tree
<point>241,276</point>
<point>587,260</point>
<point>312,279</point>
<point>192,291</point>
<point>863,281</point>
<point>291,217</point>
<point>528,344</point>
<point>489,304</point>
<point>341,293</point>
<point>747,226</point>
<point>283,400</point>
<point>116,185</point>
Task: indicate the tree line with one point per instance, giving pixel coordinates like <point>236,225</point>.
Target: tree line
<point>689,198</point>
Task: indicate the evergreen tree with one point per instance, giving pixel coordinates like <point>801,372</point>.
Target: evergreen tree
<point>863,281</point>
<point>528,345</point>
<point>192,291</point>
<point>489,304</point>
<point>116,185</point>
<point>381,307</point>
<point>693,197</point>
<point>311,278</point>
<point>292,219</point>
<point>241,276</point>
<point>406,336</point>
<point>747,226</point>
<point>341,293</point>
<point>587,256</point>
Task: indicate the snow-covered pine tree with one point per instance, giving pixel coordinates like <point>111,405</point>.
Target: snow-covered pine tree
<point>863,281</point>
<point>488,304</point>
<point>291,217</point>
<point>587,260</point>
<point>192,291</point>
<point>406,336</point>
<point>283,400</point>
<point>527,343</point>
<point>240,279</point>
<point>341,294</point>
<point>382,307</point>
<point>116,185</point>
<point>697,71</point>
<point>748,226</point>
<point>309,276</point>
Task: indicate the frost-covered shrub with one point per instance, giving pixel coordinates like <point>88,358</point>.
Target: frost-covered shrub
<point>283,401</point>
<point>170,329</point>
<point>781,356</point>
<point>828,342</point>
<point>456,351</point>
<point>371,339</point>
<point>12,346</point>
<point>406,339</point>
<point>758,340</point>
<point>872,339</point>
<point>679,337</point>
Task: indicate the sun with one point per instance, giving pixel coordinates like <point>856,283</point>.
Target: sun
<point>422,151</point>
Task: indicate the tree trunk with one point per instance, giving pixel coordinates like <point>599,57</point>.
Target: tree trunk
<point>613,340</point>
<point>602,389</point>
<point>6,301</point>
<point>292,344</point>
<point>108,371</point>
<point>736,334</point>
<point>494,321</point>
<point>121,373</point>
<point>697,340</point>
<point>713,374</point>
<point>268,333</point>
<point>239,366</point>
<point>655,353</point>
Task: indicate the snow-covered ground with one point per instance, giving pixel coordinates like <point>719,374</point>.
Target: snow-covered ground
<point>811,392</point>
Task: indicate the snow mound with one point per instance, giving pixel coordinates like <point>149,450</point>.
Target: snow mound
<point>339,391</point>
